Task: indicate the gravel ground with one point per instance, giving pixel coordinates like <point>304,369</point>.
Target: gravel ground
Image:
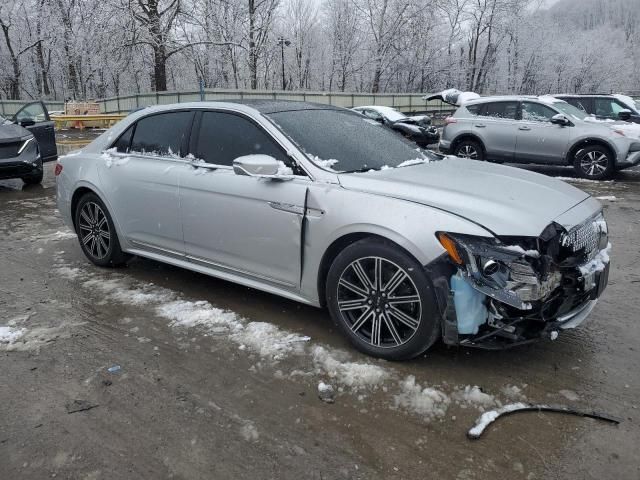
<point>156,372</point>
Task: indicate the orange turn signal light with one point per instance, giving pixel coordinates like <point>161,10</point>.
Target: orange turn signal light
<point>450,246</point>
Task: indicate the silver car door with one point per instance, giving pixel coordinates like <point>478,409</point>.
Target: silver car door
<point>246,225</point>
<point>539,140</point>
<point>496,128</point>
<point>140,179</point>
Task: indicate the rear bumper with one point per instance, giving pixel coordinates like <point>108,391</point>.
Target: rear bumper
<point>632,160</point>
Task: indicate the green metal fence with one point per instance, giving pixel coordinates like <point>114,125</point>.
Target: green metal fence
<point>406,102</point>
<point>8,108</point>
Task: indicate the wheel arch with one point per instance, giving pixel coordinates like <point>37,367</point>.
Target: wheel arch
<point>589,142</point>
<point>468,136</point>
<point>342,242</point>
<point>84,188</point>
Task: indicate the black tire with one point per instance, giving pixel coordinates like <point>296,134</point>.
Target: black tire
<point>469,149</point>
<point>397,338</point>
<point>34,178</point>
<point>594,162</point>
<point>97,233</point>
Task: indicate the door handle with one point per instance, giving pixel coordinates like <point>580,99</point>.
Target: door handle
<point>524,128</point>
<point>480,125</point>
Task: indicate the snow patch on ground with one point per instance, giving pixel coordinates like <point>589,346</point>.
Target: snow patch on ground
<point>610,198</point>
<point>68,272</point>
<point>270,341</point>
<point>335,365</point>
<point>200,314</point>
<point>119,291</point>
<point>428,402</point>
<point>11,334</point>
<point>569,395</point>
<point>249,432</point>
<point>473,396</point>
<point>56,236</point>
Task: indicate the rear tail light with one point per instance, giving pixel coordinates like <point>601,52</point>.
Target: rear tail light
<point>58,169</point>
<point>450,120</point>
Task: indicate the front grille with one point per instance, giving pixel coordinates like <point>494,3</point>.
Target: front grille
<point>582,238</point>
<point>9,150</point>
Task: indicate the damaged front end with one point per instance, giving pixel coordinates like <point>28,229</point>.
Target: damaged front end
<point>509,291</point>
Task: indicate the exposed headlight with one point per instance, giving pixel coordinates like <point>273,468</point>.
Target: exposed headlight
<point>503,272</point>
<point>25,144</point>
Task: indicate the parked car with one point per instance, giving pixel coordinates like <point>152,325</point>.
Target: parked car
<point>25,142</point>
<point>606,107</point>
<point>381,235</point>
<point>417,128</point>
<point>540,130</point>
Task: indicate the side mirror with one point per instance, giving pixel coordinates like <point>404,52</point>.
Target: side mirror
<point>560,119</point>
<point>624,115</point>
<point>256,166</point>
<point>27,122</point>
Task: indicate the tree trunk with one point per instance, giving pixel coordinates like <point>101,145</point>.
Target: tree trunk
<point>253,55</point>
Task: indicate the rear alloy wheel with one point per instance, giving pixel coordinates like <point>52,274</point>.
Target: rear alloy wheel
<point>382,300</point>
<point>594,163</point>
<point>469,149</point>
<point>97,233</point>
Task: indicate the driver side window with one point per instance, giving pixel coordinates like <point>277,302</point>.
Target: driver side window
<point>223,137</point>
<point>536,112</point>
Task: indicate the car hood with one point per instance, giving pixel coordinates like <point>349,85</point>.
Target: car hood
<point>506,201</point>
<point>10,133</point>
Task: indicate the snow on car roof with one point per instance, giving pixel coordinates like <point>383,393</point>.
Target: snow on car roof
<point>389,112</point>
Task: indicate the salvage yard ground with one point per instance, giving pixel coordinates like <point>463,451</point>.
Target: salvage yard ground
<point>157,372</point>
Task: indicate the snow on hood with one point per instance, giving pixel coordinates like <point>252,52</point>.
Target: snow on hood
<point>505,200</point>
<point>453,97</point>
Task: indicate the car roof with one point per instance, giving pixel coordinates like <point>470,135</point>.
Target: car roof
<point>264,106</point>
<point>548,99</point>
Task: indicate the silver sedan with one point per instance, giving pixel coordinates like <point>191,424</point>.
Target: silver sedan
<point>324,206</point>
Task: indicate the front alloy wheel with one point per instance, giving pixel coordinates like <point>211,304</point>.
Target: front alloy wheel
<point>382,300</point>
<point>595,163</point>
<point>379,302</point>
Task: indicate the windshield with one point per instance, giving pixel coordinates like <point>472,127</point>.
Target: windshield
<point>345,141</point>
<point>569,109</point>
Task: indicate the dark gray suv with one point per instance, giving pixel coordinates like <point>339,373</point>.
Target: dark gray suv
<point>540,130</point>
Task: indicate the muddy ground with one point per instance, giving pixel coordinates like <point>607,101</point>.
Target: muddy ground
<point>207,400</point>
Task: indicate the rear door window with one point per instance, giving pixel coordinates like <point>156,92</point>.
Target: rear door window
<point>506,110</point>
<point>161,134</point>
<point>223,137</point>
<point>536,112</point>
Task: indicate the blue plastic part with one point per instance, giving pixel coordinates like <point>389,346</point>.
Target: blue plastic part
<point>471,310</point>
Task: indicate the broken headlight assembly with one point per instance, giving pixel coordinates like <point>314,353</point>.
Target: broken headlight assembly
<point>509,274</point>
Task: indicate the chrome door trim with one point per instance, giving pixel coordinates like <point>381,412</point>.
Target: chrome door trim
<point>206,262</point>
<point>286,207</point>
<point>149,246</point>
<point>203,261</point>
